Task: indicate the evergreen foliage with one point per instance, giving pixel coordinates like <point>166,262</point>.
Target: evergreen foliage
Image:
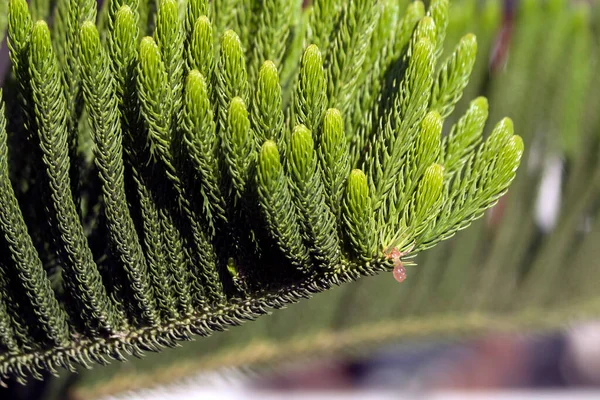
<point>243,158</point>
<point>523,267</point>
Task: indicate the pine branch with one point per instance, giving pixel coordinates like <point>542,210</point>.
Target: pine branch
<point>487,173</point>
<point>20,26</point>
<point>310,97</point>
<point>276,204</point>
<point>267,114</point>
<point>157,108</point>
<point>322,20</point>
<point>201,49</point>
<point>454,76</point>
<point>101,101</point>
<point>226,150</point>
<point>273,29</point>
<point>348,52</point>
<point>30,271</point>
<point>81,273</point>
<point>201,146</point>
<point>318,222</point>
<point>358,215</point>
<point>334,159</point>
<point>464,136</point>
<point>231,76</point>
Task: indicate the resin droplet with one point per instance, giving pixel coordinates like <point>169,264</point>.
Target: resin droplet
<point>399,272</point>
<point>395,254</point>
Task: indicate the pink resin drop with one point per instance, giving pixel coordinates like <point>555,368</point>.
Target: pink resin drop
<point>399,272</point>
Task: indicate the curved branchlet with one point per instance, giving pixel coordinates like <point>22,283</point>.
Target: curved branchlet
<point>194,10</point>
<point>156,99</point>
<point>481,181</point>
<point>414,13</point>
<point>69,14</point>
<point>239,148</point>
<point>317,220</point>
<point>20,336</point>
<point>310,98</point>
<point>201,146</point>
<point>222,14</point>
<point>277,207</point>
<point>102,106</point>
<point>426,29</point>
<point>425,151</point>
<point>369,81</point>
<point>155,96</point>
<point>347,53</point>
<point>425,204</point>
<point>267,112</point>
<point>169,36</point>
<point>231,76</point>
<point>454,76</point>
<point>29,269</point>
<point>123,53</point>
<point>113,9</point>
<point>458,145</point>
<point>334,159</point>
<point>122,39</point>
<point>438,11</point>
<point>81,272</point>
<point>200,51</point>
<point>123,49</point>
<point>321,21</point>
<point>8,339</point>
<point>20,25</point>
<point>273,28</point>
<point>171,275</point>
<point>393,70</point>
<point>385,158</point>
<point>405,31</point>
<point>358,216</point>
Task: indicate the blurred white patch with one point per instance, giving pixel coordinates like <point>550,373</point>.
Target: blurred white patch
<point>584,353</point>
<point>229,383</point>
<point>549,195</point>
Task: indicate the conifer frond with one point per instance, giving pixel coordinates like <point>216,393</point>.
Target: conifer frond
<point>317,220</point>
<point>311,97</point>
<point>201,48</point>
<point>81,274</point>
<point>334,158</point>
<point>29,269</point>
<point>246,154</point>
<point>267,115</point>
<point>101,100</point>
<point>513,270</point>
